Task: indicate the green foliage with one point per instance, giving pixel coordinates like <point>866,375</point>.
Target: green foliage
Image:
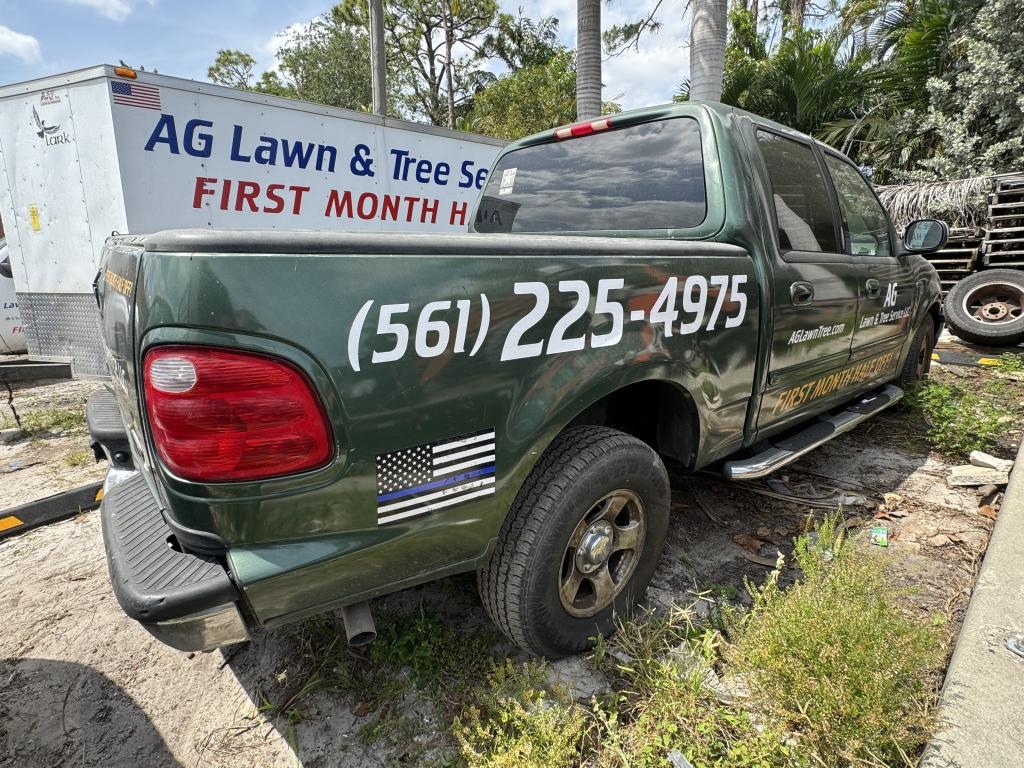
<point>519,42</point>
<point>232,68</point>
<point>79,458</point>
<point>669,705</point>
<point>977,109</point>
<point>516,723</point>
<point>833,660</point>
<point>959,420</point>
<point>435,654</point>
<point>48,420</point>
<point>430,81</point>
<point>528,100</point>
<point>327,62</point>
<point>1011,362</point>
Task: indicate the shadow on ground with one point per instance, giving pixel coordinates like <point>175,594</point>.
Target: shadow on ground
<point>63,714</point>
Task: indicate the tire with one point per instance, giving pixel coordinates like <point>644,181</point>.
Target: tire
<point>988,308</point>
<point>919,358</point>
<point>572,493</point>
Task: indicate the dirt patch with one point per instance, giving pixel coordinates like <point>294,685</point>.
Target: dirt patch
<point>54,454</point>
<point>82,685</point>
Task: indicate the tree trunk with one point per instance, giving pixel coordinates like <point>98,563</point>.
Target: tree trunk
<point>588,59</point>
<point>796,13</point>
<point>707,49</point>
<point>754,10</point>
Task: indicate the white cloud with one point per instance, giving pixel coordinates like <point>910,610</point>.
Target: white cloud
<point>20,45</point>
<point>117,10</point>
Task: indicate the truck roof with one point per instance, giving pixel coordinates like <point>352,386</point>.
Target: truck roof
<point>660,112</point>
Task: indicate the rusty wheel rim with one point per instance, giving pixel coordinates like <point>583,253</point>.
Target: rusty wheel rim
<point>995,303</point>
<point>602,553</point>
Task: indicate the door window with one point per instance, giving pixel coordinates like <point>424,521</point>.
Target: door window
<point>864,223</point>
<point>802,203</point>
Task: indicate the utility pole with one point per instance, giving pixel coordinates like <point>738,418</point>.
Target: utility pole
<point>378,73</point>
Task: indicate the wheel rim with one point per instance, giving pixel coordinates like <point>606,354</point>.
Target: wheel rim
<point>602,553</point>
<point>995,303</point>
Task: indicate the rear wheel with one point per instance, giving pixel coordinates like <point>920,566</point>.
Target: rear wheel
<point>581,542</point>
<point>988,307</point>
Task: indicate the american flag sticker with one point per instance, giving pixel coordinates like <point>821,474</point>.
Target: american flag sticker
<point>135,94</point>
<point>426,478</point>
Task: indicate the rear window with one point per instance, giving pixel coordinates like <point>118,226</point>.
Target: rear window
<point>647,176</point>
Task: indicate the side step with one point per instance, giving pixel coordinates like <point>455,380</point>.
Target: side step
<point>788,449</point>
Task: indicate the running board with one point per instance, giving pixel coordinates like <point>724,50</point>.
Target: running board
<point>793,447</point>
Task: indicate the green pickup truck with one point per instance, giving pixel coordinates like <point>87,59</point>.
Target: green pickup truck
<point>299,422</point>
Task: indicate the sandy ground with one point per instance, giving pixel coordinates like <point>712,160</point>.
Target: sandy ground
<point>81,685</point>
<point>33,468</point>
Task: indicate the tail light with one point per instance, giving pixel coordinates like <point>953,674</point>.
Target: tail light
<point>218,415</point>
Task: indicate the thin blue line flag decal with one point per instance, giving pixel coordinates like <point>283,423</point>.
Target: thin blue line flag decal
<point>426,478</point>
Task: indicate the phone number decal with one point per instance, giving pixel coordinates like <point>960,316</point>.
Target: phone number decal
<point>433,332</point>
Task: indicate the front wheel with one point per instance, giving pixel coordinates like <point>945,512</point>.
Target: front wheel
<point>919,358</point>
<point>988,307</point>
<point>580,543</point>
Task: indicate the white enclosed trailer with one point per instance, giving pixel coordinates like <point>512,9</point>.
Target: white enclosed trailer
<point>109,149</point>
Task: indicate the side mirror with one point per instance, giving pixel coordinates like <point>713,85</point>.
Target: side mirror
<point>5,268</point>
<point>926,236</point>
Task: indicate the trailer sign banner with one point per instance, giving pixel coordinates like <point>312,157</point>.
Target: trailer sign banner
<point>238,164</point>
<point>84,154</point>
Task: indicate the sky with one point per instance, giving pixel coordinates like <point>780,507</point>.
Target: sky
<point>182,37</point>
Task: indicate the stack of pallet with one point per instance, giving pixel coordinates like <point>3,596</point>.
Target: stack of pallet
<point>1004,244</point>
<point>960,257</point>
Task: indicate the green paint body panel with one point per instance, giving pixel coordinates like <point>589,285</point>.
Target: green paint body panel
<point>302,544</point>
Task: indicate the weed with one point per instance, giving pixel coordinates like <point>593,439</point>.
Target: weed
<point>78,458</point>
<point>1011,362</point>
<point>515,723</point>
<point>436,655</point>
<point>959,421</point>
<point>670,706</point>
<point>42,422</point>
<point>833,659</point>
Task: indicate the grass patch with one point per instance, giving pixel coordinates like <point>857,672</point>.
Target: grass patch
<point>828,673</point>
<point>834,661</point>
<point>1011,362</point>
<point>43,422</point>
<point>78,458</point>
<point>516,723</point>
<point>961,420</point>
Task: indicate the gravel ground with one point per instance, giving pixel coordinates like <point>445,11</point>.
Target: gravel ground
<point>81,685</point>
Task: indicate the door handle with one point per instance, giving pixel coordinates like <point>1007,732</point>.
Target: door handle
<point>873,288</point>
<point>802,294</point>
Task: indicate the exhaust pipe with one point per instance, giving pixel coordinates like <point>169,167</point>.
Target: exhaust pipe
<point>359,627</point>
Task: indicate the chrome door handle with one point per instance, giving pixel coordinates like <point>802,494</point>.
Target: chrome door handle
<point>873,288</point>
<point>802,294</point>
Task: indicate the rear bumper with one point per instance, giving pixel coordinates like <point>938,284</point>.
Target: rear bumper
<point>185,600</point>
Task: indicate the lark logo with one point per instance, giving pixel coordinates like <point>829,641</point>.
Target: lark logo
<point>50,134</point>
<point>890,295</point>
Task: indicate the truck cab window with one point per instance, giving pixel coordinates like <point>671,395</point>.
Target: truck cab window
<point>864,224</point>
<point>802,206</point>
<point>646,176</point>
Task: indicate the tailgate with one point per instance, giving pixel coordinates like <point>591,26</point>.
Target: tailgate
<point>115,293</point>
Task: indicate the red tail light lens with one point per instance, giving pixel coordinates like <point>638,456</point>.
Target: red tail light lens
<point>218,415</point>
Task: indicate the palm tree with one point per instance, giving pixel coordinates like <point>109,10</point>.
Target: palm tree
<point>707,49</point>
<point>588,59</point>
